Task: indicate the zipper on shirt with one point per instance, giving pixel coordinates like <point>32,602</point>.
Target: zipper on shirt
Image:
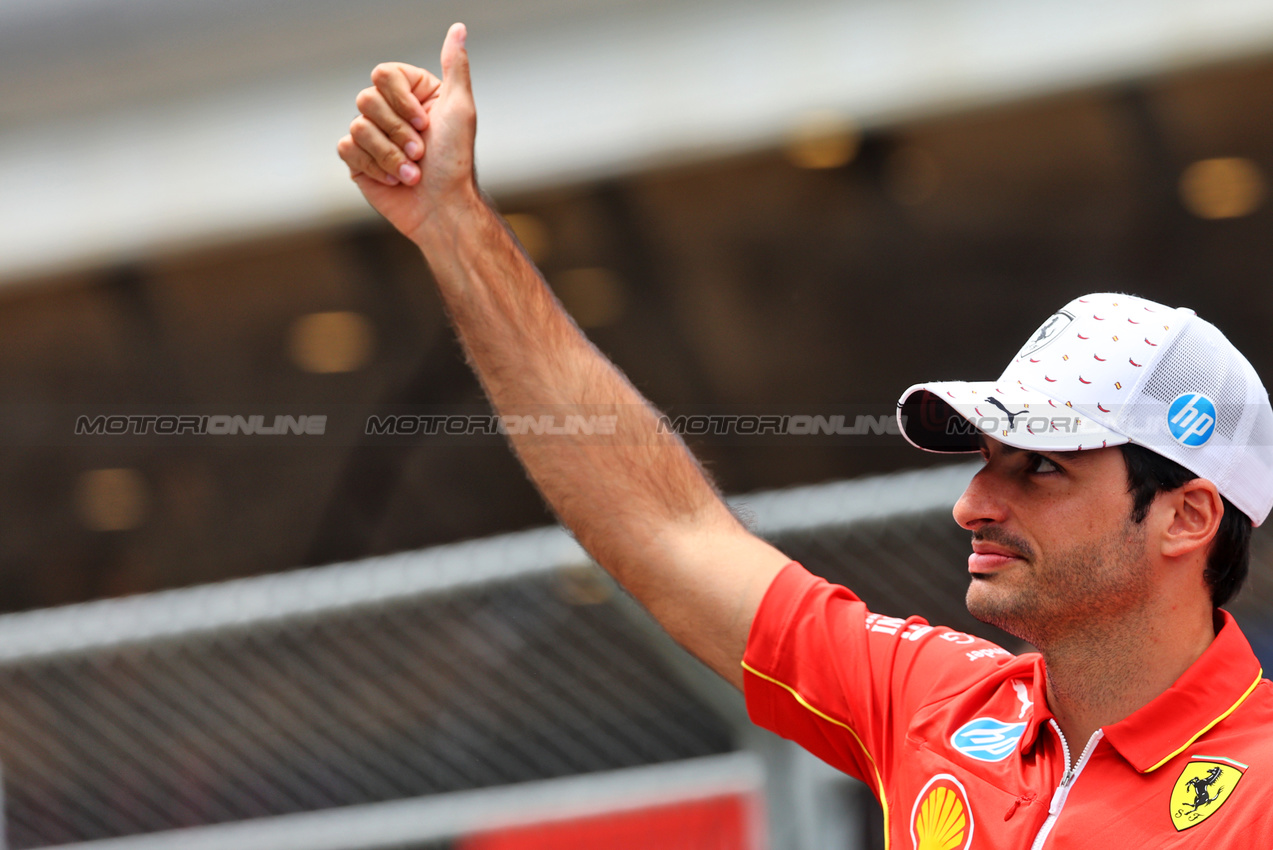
<point>1062,792</point>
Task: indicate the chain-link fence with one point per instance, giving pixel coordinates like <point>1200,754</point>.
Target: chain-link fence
<point>367,705</point>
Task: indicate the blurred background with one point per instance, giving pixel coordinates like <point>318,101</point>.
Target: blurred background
<point>754,208</point>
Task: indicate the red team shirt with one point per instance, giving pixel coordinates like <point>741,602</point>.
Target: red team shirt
<point>954,734</point>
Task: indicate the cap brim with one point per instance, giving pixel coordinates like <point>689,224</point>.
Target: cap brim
<point>952,416</point>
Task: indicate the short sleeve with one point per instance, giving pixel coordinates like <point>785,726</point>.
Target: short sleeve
<point>823,671</point>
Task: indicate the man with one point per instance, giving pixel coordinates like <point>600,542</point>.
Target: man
<point>1125,446</point>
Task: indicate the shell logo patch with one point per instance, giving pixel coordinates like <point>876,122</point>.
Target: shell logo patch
<point>941,818</point>
<point>1203,787</point>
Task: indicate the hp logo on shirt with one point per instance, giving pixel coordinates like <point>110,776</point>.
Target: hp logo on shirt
<point>987,739</point>
<point>1192,419</point>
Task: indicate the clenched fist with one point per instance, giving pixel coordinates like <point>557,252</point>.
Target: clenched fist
<point>410,150</point>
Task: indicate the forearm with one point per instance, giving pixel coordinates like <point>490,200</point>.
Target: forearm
<point>622,494</point>
<point>633,496</point>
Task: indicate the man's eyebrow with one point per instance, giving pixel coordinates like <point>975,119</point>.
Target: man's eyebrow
<point>1063,457</point>
<point>984,441</point>
<point>1007,450</point>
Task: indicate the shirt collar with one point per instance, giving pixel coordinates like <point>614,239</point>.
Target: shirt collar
<point>1040,714</point>
<point>1209,691</point>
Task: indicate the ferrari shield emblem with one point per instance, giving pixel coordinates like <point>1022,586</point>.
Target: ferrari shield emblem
<point>1048,331</point>
<point>1202,789</point>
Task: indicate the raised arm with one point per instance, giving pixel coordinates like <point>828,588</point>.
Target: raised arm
<point>636,499</point>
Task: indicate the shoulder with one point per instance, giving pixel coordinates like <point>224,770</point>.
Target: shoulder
<point>814,636</point>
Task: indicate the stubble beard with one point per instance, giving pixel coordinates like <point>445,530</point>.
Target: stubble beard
<point>1087,589</point>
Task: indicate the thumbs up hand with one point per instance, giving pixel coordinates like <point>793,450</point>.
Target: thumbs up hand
<point>410,150</point>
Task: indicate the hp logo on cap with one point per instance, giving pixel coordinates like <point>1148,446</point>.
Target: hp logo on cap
<point>1192,419</point>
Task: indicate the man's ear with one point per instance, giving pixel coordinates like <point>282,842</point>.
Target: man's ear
<point>1195,512</point>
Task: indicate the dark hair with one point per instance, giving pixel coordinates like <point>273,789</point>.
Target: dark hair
<point>1148,474</point>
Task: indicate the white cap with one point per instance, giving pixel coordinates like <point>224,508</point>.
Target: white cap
<point>1109,369</point>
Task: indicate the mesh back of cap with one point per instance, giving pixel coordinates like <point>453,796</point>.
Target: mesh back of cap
<point>1238,457</point>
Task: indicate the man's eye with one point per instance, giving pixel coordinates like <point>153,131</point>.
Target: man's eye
<point>1039,463</point>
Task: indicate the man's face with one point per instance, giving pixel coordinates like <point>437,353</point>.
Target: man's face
<point>1054,548</point>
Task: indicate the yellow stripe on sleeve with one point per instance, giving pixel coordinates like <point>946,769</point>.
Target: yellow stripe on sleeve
<point>879,781</point>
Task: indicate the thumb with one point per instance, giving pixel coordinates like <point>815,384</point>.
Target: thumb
<point>455,64</point>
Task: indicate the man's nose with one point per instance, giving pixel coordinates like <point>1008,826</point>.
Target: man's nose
<point>981,503</point>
